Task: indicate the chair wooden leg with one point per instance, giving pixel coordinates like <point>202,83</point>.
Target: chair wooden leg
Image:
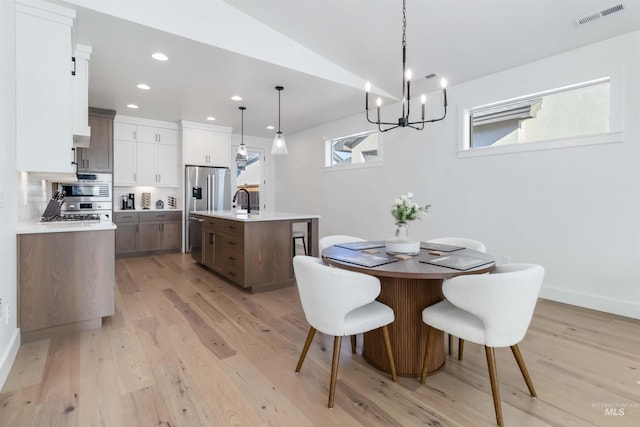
<point>460,348</point>
<point>493,377</point>
<point>387,344</point>
<point>307,343</point>
<point>353,343</point>
<point>523,369</point>
<point>425,362</point>
<point>450,344</point>
<point>337,343</point>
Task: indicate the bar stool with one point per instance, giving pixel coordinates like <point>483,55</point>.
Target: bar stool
<point>298,235</point>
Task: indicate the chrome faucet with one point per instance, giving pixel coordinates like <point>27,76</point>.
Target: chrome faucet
<point>248,199</point>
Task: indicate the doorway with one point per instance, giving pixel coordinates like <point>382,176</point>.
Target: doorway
<point>249,176</point>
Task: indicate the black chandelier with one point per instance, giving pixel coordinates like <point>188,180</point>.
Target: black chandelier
<point>404,121</point>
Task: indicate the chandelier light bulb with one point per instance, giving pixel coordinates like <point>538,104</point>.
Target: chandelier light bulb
<point>367,87</point>
<point>443,83</point>
<point>379,102</point>
<point>408,74</point>
<point>423,99</point>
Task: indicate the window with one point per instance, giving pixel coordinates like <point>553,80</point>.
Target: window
<point>354,150</point>
<point>579,112</point>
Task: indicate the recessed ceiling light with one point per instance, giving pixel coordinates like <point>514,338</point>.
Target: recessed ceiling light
<point>270,127</point>
<point>211,118</point>
<point>134,106</point>
<point>144,86</point>
<point>236,98</point>
<point>158,56</point>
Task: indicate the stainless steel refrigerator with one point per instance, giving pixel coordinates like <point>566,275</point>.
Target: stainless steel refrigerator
<point>206,189</point>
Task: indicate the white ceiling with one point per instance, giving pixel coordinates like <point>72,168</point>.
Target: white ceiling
<point>321,51</point>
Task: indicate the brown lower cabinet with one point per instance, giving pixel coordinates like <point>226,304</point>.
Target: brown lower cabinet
<point>64,280</point>
<point>255,255</point>
<point>143,233</point>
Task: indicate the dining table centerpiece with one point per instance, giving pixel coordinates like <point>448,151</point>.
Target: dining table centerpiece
<point>404,210</point>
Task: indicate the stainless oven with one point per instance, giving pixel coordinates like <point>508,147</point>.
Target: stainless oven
<point>91,194</point>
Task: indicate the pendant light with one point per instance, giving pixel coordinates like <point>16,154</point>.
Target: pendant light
<point>279,147</point>
<point>405,121</point>
<point>241,155</point>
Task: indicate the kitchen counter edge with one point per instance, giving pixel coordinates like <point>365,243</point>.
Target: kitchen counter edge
<point>63,227</point>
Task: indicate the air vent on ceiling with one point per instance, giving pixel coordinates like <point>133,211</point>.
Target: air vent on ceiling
<point>594,16</point>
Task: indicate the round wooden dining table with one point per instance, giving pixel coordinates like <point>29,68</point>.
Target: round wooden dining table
<point>407,286</point>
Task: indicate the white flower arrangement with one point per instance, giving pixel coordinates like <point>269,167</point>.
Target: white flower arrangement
<point>405,209</point>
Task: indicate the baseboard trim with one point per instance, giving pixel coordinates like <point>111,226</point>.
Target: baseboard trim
<point>9,356</point>
<point>595,302</point>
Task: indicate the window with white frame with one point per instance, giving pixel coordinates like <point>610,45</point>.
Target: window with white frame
<point>579,110</point>
<point>354,150</point>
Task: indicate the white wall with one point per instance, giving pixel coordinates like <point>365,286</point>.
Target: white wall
<point>9,332</point>
<point>576,211</point>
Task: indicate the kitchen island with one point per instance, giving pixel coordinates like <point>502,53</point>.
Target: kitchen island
<point>253,251</point>
<point>66,277</point>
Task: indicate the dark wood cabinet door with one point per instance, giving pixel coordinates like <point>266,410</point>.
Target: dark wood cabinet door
<point>127,238</point>
<point>98,157</point>
<point>171,235</point>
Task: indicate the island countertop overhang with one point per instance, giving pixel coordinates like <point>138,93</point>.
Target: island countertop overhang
<point>261,216</point>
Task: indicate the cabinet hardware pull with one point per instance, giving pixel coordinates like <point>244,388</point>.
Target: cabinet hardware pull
<point>232,273</point>
<point>232,243</point>
<point>73,59</point>
<point>159,178</point>
<point>232,258</point>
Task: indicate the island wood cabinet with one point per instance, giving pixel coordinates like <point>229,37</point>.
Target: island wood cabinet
<point>64,280</point>
<point>142,233</point>
<point>255,255</point>
<point>98,156</point>
<point>206,145</point>
<point>44,113</point>
<point>145,152</point>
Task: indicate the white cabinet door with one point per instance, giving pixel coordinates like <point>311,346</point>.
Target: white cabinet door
<point>167,165</point>
<point>124,131</point>
<point>44,115</point>
<point>146,134</point>
<point>167,136</point>
<point>206,147</point>
<point>194,141</point>
<point>218,148</point>
<point>146,161</point>
<point>124,163</point>
<point>82,54</point>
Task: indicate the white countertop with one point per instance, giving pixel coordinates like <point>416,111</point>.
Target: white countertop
<point>147,210</point>
<point>260,216</point>
<point>64,227</point>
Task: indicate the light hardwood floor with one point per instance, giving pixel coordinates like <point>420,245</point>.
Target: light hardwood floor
<point>185,348</point>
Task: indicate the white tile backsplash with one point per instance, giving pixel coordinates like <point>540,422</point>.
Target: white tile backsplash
<point>33,195</point>
<point>157,193</point>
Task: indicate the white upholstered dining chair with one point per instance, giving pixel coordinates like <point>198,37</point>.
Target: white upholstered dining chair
<point>336,239</point>
<point>493,310</point>
<point>474,245</point>
<point>340,303</point>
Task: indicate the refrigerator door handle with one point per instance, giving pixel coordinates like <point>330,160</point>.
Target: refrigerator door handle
<point>208,192</point>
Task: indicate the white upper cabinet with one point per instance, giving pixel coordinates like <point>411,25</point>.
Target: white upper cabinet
<point>206,145</point>
<point>44,113</point>
<point>145,152</point>
<point>81,129</point>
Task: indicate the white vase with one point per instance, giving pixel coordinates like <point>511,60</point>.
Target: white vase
<point>402,231</point>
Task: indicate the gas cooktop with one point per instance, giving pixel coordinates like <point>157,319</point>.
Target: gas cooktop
<point>72,217</point>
